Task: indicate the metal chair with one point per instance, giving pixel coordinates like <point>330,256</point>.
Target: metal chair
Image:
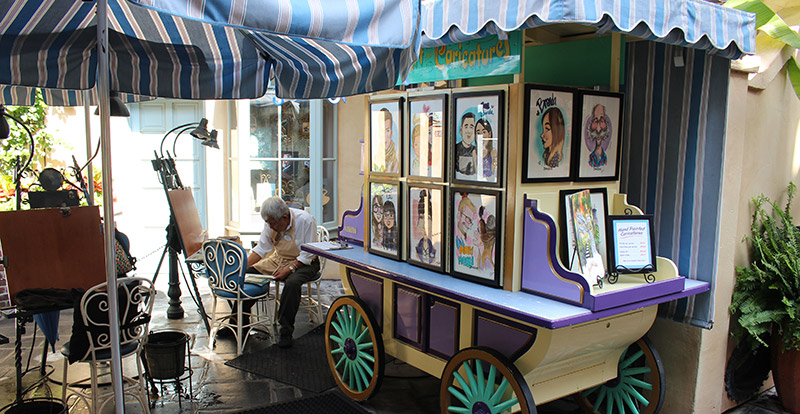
<point>135,296</point>
<point>226,263</point>
<point>308,301</point>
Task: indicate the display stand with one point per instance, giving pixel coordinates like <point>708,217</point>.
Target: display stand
<point>184,234</point>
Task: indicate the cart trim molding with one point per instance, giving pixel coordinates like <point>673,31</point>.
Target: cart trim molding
<point>524,307</point>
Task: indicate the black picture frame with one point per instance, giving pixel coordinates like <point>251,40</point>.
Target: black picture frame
<point>465,249</point>
<point>424,107</point>
<point>605,167</point>
<point>483,105</point>
<point>419,252</point>
<point>564,220</point>
<point>380,109</point>
<point>549,119</point>
<point>379,240</point>
<point>635,244</point>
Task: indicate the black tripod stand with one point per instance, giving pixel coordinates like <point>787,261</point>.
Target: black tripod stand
<point>170,180</point>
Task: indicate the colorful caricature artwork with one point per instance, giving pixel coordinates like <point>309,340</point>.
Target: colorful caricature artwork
<point>384,229</point>
<point>385,150</point>
<point>587,237</point>
<point>476,141</point>
<point>550,132</point>
<point>426,225</point>
<point>600,136</point>
<point>425,155</point>
<point>475,234</point>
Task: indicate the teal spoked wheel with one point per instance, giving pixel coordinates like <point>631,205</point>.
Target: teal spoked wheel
<point>482,381</point>
<point>637,389</point>
<point>354,348</point>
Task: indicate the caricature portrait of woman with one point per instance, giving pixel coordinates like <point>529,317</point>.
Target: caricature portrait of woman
<point>483,131</point>
<point>389,226</point>
<point>465,226</point>
<point>552,137</point>
<point>425,250</point>
<point>377,220</point>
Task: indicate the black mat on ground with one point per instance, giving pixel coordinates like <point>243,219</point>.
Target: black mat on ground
<point>304,365</point>
<point>327,403</point>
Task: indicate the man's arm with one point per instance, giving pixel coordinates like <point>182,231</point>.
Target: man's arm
<point>252,259</point>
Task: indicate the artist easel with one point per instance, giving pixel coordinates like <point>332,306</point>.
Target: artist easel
<point>184,234</point>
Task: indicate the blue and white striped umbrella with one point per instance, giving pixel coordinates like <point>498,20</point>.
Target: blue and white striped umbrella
<point>314,51</point>
<point>726,32</point>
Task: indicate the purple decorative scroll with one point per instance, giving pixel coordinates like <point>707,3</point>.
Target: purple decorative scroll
<point>352,228</point>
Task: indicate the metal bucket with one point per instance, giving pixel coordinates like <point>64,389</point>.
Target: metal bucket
<point>38,406</point>
<point>165,354</point>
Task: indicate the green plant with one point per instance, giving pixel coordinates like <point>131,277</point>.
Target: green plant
<point>767,295</point>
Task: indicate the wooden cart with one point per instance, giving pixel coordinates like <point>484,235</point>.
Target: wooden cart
<point>496,350</point>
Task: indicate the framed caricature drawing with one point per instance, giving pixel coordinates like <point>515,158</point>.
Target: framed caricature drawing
<point>476,138</point>
<point>427,128</point>
<point>426,241</point>
<point>384,222</point>
<point>386,136</point>
<point>599,142</point>
<point>599,211</point>
<point>547,134</point>
<point>476,235</point>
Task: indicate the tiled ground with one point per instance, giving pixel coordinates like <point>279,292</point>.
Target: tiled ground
<point>218,388</point>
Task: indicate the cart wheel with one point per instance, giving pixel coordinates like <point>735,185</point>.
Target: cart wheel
<point>354,348</point>
<point>476,380</point>
<point>638,387</point>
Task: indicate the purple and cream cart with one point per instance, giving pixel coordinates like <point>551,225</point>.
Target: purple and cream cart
<point>497,350</point>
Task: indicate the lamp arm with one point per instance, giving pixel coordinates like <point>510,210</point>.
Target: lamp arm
<point>30,135</point>
<point>161,146</point>
<point>174,154</point>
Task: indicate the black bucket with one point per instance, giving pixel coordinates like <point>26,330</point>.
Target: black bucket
<point>38,406</point>
<point>165,353</point>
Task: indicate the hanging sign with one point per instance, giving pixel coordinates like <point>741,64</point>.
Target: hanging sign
<point>488,56</point>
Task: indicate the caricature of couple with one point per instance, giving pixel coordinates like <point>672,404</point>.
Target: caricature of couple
<point>470,128</point>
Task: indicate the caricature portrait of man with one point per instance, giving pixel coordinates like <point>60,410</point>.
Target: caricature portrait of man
<point>597,133</point>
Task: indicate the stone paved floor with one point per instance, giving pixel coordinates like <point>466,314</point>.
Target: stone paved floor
<point>218,388</point>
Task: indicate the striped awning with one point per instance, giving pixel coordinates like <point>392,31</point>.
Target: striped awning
<point>52,44</point>
<point>726,32</point>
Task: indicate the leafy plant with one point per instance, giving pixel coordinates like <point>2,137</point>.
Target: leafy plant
<point>767,295</point>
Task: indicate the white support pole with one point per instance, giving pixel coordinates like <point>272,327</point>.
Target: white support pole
<point>87,117</point>
<point>108,201</point>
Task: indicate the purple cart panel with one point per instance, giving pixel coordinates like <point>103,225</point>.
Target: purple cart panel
<point>510,338</point>
<point>443,327</point>
<point>408,315</point>
<point>370,290</point>
<point>352,228</point>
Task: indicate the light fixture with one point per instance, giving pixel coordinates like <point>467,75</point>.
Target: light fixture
<point>115,105</point>
<point>201,132</point>
<point>211,142</point>
<point>5,132</point>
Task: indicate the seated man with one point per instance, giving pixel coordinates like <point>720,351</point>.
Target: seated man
<point>285,230</point>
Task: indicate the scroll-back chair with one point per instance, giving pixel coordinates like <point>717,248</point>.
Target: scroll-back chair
<point>226,263</point>
<point>135,296</point>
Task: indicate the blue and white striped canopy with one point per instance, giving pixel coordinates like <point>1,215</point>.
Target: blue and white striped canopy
<point>314,51</point>
<point>693,23</point>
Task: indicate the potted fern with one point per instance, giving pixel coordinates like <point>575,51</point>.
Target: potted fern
<point>766,300</point>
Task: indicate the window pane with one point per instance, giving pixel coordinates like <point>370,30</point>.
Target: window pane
<point>263,182</point>
<point>263,129</point>
<point>328,181</point>
<point>295,128</point>
<point>328,130</point>
<point>233,196</point>
<point>295,186</point>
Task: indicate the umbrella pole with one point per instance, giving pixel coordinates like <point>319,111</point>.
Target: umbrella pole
<point>89,172</point>
<point>108,200</point>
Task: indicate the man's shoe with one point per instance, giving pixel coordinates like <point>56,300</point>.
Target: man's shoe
<point>285,341</point>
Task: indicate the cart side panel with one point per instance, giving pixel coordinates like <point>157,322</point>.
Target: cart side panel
<point>512,339</point>
<point>567,360</point>
<point>367,288</point>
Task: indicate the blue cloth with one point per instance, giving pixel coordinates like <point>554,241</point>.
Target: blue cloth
<point>48,323</point>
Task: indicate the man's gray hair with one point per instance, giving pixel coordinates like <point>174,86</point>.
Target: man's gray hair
<point>274,207</point>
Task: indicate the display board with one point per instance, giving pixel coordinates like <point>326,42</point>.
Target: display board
<point>181,201</point>
<point>58,248</point>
